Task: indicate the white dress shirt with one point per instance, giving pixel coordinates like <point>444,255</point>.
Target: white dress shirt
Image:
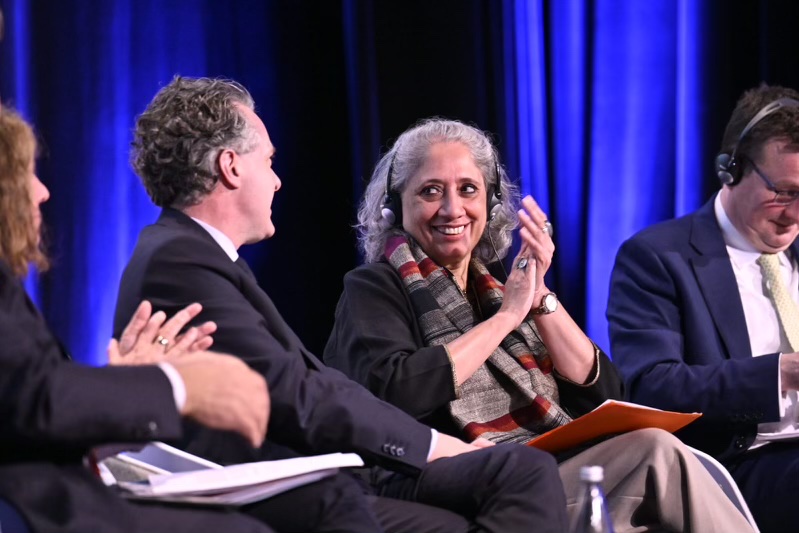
<point>762,324</point>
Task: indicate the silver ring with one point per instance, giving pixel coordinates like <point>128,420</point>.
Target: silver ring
<point>548,228</point>
<point>163,341</point>
<point>522,264</point>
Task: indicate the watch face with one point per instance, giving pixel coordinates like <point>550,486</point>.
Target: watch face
<point>550,303</point>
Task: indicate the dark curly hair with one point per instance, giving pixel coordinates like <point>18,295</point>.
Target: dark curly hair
<point>180,134</point>
<point>781,124</point>
<point>20,239</point>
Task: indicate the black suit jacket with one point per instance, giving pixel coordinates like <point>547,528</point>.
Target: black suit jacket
<point>678,333</point>
<point>314,409</point>
<point>52,411</point>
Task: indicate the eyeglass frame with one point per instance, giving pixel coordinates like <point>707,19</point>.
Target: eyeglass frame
<point>794,195</point>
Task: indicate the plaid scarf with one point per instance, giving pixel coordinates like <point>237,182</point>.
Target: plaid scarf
<point>513,397</point>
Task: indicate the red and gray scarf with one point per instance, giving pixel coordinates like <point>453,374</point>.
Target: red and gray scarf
<point>513,397</point>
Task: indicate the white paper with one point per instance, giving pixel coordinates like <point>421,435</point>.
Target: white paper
<point>247,474</point>
<point>207,483</point>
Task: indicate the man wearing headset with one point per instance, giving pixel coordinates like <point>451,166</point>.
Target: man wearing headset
<point>703,309</point>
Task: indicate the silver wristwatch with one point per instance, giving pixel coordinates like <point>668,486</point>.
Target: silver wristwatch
<point>549,304</point>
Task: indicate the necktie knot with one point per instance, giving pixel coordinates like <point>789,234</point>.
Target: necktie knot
<point>769,262</point>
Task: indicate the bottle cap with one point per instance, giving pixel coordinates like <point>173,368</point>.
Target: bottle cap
<point>592,474</point>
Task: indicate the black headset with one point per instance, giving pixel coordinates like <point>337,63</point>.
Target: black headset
<point>727,166</point>
<point>391,210</point>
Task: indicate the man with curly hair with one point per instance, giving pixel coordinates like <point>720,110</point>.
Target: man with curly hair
<point>53,411</point>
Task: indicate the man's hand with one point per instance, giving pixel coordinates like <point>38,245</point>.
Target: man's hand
<point>222,392</point>
<point>449,446</point>
<point>789,371</point>
<point>148,340</point>
<point>480,442</point>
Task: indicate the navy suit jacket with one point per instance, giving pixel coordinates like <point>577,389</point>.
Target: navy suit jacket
<point>679,336</point>
<point>315,409</point>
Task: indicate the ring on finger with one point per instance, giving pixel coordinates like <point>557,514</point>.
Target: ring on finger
<point>163,341</point>
<point>522,264</point>
<point>547,228</point>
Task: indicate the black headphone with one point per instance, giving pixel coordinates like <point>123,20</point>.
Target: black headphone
<point>391,210</point>
<point>727,166</point>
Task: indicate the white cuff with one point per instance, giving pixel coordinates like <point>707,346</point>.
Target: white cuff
<point>178,387</point>
<point>433,442</point>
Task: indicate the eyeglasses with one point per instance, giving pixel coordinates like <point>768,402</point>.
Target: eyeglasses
<point>780,197</point>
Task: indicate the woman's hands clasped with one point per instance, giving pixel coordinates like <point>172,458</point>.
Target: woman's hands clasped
<point>525,284</point>
<point>536,235</point>
<point>150,338</point>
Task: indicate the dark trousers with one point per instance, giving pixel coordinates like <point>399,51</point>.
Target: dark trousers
<point>769,481</point>
<point>503,489</point>
<point>332,505</point>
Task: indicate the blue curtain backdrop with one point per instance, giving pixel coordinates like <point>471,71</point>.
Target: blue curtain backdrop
<point>608,111</point>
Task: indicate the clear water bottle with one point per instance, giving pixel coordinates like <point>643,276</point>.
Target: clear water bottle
<point>592,515</point>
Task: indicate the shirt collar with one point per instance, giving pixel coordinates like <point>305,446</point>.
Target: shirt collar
<point>220,238</point>
<point>739,248</point>
<point>732,237</point>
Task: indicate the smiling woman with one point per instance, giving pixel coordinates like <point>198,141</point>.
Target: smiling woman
<point>443,206</point>
<point>425,326</point>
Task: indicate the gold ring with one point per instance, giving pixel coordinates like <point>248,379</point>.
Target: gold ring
<point>163,341</point>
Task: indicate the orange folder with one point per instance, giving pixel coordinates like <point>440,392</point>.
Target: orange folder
<point>610,418</point>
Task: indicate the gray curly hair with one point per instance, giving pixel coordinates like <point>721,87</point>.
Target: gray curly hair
<point>407,156</point>
<point>179,136</point>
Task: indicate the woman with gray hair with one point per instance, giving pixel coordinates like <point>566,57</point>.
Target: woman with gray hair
<point>425,326</point>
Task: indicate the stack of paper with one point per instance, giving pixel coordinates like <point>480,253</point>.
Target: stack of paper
<point>212,484</point>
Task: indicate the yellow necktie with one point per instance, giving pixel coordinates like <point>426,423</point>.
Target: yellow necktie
<point>787,311</point>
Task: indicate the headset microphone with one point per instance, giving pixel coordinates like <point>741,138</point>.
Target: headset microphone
<point>387,214</point>
<point>727,167</point>
<point>391,210</point>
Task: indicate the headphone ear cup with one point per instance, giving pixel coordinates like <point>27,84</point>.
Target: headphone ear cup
<point>388,216</point>
<point>494,205</point>
<point>726,169</point>
<point>495,193</point>
<point>391,210</point>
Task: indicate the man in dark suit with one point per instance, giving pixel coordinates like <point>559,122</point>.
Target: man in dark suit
<point>702,309</point>
<point>52,411</point>
<point>206,158</point>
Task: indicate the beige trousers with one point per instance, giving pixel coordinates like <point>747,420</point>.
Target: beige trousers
<point>654,483</point>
